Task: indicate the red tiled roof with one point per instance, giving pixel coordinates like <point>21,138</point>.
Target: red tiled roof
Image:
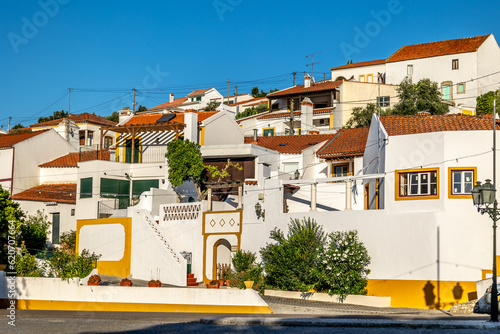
<point>289,144</point>
<point>272,115</point>
<point>299,89</point>
<point>72,159</point>
<point>250,182</point>
<point>198,92</point>
<point>174,103</point>
<point>361,63</point>
<point>397,125</point>
<point>11,139</point>
<point>347,144</point>
<point>179,117</point>
<point>225,97</point>
<point>81,118</point>
<point>60,193</point>
<point>435,49</point>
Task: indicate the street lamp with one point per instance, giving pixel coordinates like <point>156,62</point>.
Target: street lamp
<point>483,197</point>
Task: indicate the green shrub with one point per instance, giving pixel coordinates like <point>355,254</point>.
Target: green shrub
<point>67,265</point>
<point>344,266</point>
<point>26,264</point>
<point>68,241</point>
<point>34,231</point>
<point>290,263</point>
<point>242,260</point>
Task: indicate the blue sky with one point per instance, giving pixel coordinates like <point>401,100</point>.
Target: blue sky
<point>104,49</point>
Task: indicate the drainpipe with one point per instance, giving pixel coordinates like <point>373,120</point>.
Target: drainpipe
<point>240,198</point>
<point>348,194</point>
<point>313,196</point>
<point>209,199</point>
<point>255,136</point>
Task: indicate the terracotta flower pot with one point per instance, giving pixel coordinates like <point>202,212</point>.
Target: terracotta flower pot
<point>154,284</point>
<point>126,282</point>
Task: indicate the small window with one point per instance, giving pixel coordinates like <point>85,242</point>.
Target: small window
<point>409,70</point>
<point>268,132</point>
<point>86,188</point>
<point>361,78</point>
<point>383,101</point>
<point>198,98</point>
<point>340,170</point>
<point>72,212</point>
<point>108,141</point>
<point>422,184</point>
<point>454,64</point>
<point>461,182</point>
<point>369,78</point>
<point>461,88</point>
<point>290,167</point>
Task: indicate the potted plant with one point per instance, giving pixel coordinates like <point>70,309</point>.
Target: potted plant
<point>94,280</point>
<point>154,283</point>
<point>213,284</point>
<point>126,282</point>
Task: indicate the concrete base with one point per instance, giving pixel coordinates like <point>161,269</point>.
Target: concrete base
<point>324,297</point>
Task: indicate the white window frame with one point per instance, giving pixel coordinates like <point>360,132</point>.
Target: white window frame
<point>413,184</point>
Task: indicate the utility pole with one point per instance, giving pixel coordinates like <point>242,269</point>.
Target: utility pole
<point>312,63</point>
<point>236,95</point>
<point>133,104</point>
<point>69,102</point>
<point>294,73</point>
<point>227,91</point>
<point>8,126</point>
<point>291,118</point>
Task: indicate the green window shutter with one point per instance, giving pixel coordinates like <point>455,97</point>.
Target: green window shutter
<point>86,188</point>
<point>56,220</point>
<point>140,186</point>
<point>114,188</point>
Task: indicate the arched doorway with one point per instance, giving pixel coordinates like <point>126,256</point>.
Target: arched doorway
<point>222,255</point>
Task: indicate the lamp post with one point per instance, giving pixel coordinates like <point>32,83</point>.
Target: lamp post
<point>483,197</point>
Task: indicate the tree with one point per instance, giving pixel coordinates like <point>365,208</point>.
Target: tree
<point>290,262</point>
<point>115,117</point>
<point>55,115</point>
<point>11,218</point>
<point>211,106</point>
<point>19,128</point>
<point>34,231</point>
<point>142,108</point>
<point>262,107</point>
<point>484,103</point>
<point>256,93</point>
<point>361,117</point>
<point>185,164</point>
<point>423,96</point>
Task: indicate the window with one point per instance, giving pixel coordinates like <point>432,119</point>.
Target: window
<point>409,70</point>
<point>56,219</point>
<point>461,88</point>
<point>86,188</point>
<point>447,92</point>
<point>140,186</point>
<point>90,137</point>
<point>72,212</point>
<point>417,184</point>
<point>268,132</point>
<point>198,98</point>
<point>383,101</point>
<point>369,78</point>
<point>108,141</point>
<point>290,167</point>
<point>461,181</point>
<point>120,189</point>
<point>340,170</point>
<point>361,78</point>
<point>454,64</point>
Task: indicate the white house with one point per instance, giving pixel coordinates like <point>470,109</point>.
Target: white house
<point>463,68</point>
<point>196,100</point>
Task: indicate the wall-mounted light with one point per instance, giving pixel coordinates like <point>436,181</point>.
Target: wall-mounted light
<point>296,174</point>
<point>259,211</point>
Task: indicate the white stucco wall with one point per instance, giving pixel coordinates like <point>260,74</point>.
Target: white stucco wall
<point>6,156</point>
<point>222,129</point>
<point>347,73</point>
<point>54,175</point>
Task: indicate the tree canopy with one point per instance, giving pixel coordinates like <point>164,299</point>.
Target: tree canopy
<point>422,96</point>
<point>361,116</point>
<point>256,93</point>
<point>55,115</point>
<point>484,103</point>
<point>262,107</point>
<point>11,218</point>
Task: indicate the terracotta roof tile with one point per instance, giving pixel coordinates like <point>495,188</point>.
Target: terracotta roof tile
<point>397,125</point>
<point>81,118</point>
<point>435,49</point>
<point>347,144</point>
<point>289,144</point>
<point>361,63</point>
<point>72,159</point>
<point>11,139</point>
<point>174,103</point>
<point>179,117</point>
<point>59,193</point>
<point>198,92</point>
<point>255,100</point>
<point>299,89</point>
<point>272,115</point>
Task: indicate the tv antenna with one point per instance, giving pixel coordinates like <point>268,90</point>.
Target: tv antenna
<point>312,62</point>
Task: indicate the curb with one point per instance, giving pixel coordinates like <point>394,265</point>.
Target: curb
<point>437,324</point>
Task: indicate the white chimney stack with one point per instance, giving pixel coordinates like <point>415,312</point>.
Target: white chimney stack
<point>191,129</point>
<point>307,81</point>
<point>124,114</point>
<point>171,97</point>
<point>306,116</point>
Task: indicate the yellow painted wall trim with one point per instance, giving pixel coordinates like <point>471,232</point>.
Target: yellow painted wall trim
<point>450,181</point>
<point>121,267</point>
<point>24,304</point>
<point>415,197</point>
<point>202,135</point>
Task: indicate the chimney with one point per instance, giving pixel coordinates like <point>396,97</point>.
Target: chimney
<point>124,114</point>
<point>307,81</point>
<point>191,130</point>
<point>306,116</point>
<point>255,137</point>
<point>171,97</point>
